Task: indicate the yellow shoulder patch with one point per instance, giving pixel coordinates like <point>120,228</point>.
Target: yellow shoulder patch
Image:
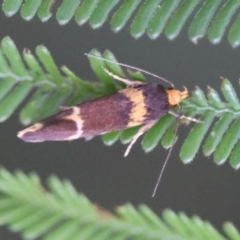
<point>138,111</point>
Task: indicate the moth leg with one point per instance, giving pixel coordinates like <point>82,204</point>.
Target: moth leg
<point>184,117</point>
<point>124,80</point>
<point>140,132</point>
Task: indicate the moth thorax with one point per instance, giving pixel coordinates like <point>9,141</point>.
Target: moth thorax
<point>176,96</point>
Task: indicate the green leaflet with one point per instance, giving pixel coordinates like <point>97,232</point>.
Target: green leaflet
<point>60,212</point>
<point>212,18</point>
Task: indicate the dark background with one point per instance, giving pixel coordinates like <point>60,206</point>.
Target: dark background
<point>102,173</point>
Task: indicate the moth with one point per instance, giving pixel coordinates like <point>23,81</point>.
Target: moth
<point>139,104</point>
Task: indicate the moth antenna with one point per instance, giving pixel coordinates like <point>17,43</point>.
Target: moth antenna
<point>168,155</point>
<point>132,67</point>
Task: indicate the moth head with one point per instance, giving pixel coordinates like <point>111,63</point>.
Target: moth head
<point>175,96</point>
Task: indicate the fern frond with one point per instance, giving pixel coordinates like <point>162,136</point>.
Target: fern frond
<point>49,89</point>
<point>152,16</point>
<point>60,212</point>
